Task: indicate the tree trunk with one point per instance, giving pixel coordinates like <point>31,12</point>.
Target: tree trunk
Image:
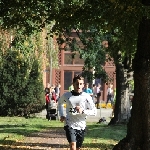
<point>122,106</point>
<point>138,131</point>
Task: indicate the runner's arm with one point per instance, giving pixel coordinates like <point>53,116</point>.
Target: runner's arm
<point>61,101</point>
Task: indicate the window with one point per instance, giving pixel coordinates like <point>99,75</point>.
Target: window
<point>78,60</point>
<point>67,79</point>
<point>68,58</point>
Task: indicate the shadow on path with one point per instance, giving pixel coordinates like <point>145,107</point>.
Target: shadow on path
<point>52,139</point>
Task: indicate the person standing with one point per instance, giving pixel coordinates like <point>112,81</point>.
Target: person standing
<point>47,98</point>
<point>98,90</point>
<point>78,106</point>
<point>87,89</point>
<point>57,91</point>
<point>94,90</point>
<point>47,89</point>
<point>110,94</point>
<point>53,94</point>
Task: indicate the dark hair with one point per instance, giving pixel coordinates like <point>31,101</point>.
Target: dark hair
<point>77,77</point>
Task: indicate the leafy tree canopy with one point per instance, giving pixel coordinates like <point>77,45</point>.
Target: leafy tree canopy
<point>117,17</point>
<point>120,18</point>
<point>27,15</point>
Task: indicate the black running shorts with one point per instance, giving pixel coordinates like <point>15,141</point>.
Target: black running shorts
<point>74,135</point>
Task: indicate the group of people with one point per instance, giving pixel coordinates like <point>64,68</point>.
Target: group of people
<point>95,93</point>
<point>52,94</point>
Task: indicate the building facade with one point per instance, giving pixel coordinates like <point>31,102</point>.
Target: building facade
<point>69,67</point>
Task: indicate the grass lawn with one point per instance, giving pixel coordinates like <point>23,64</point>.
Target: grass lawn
<point>16,128</point>
<point>103,136</point>
<point>98,136</point>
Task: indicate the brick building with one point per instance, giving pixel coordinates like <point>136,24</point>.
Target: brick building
<point>68,67</point>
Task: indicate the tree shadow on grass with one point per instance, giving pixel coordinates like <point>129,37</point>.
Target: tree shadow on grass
<point>20,130</point>
<point>47,139</point>
<point>97,146</point>
<point>47,146</point>
<point>116,132</point>
<point>54,137</point>
<point>35,146</point>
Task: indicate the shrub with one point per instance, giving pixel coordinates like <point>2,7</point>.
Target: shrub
<point>21,86</point>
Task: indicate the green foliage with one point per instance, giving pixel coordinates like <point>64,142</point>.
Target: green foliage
<point>52,47</point>
<point>131,85</point>
<point>27,15</point>
<point>89,45</point>
<point>118,18</point>
<point>108,15</point>
<point>21,90</point>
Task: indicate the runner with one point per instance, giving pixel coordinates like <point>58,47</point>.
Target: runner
<point>78,105</point>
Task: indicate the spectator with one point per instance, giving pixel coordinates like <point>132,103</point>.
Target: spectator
<point>57,91</point>
<point>88,90</point>
<point>47,89</point>
<point>53,93</point>
<point>98,91</point>
<point>110,94</point>
<point>94,90</point>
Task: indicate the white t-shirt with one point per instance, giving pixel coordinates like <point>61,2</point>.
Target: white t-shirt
<point>74,119</point>
<point>109,91</point>
<point>98,89</point>
<point>94,90</point>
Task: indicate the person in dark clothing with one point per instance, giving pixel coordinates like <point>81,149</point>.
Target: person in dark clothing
<point>47,89</point>
<point>57,91</point>
<point>110,94</point>
<point>98,90</point>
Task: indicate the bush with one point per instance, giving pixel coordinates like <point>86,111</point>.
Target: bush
<point>21,89</point>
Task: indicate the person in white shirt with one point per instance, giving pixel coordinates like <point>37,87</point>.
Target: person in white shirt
<point>94,90</point>
<point>57,91</point>
<point>78,106</point>
<point>110,94</point>
<point>98,94</point>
